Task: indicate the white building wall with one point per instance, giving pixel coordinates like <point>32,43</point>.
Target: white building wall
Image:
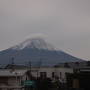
<point>49,71</point>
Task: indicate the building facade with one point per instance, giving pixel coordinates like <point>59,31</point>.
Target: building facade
<point>12,79</point>
<point>51,72</point>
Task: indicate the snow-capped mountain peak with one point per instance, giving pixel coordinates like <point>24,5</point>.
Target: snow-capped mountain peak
<point>38,43</point>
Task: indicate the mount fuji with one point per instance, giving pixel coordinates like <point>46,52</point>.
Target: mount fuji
<point>35,50</point>
<point>36,42</point>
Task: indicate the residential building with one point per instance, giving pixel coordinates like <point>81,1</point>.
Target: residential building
<point>13,78</point>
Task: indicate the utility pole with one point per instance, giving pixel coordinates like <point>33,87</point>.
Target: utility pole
<point>39,66</point>
<point>12,61</point>
<point>11,65</point>
<point>29,71</point>
<point>30,66</point>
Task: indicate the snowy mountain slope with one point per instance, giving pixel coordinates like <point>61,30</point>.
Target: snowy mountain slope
<point>35,50</point>
<point>38,43</point>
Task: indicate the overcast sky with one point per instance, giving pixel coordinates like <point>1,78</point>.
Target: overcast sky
<point>64,23</point>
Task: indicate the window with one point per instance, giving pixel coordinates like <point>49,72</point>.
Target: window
<point>53,74</point>
<point>43,74</point>
<point>60,75</point>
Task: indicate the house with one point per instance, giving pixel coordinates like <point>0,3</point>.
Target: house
<point>11,79</point>
<point>44,71</point>
<point>51,72</point>
<point>79,80</point>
